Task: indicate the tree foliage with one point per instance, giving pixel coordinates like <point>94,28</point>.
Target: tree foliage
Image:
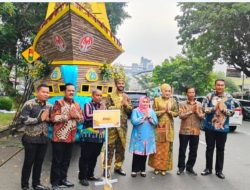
<point>116,14</point>
<point>18,27</point>
<point>219,32</point>
<point>182,71</point>
<point>145,81</point>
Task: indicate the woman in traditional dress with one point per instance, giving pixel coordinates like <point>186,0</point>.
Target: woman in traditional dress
<point>142,142</point>
<point>165,108</point>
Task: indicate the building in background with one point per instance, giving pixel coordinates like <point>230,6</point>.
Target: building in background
<point>145,65</point>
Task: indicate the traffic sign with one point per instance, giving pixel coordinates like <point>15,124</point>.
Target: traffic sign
<point>30,54</point>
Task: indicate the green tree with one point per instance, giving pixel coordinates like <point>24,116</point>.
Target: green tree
<point>182,71</point>
<point>127,80</point>
<point>145,81</point>
<point>116,14</point>
<point>219,32</point>
<point>18,27</point>
<point>4,78</point>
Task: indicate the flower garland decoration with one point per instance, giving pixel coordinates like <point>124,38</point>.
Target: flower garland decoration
<point>109,72</point>
<point>39,70</point>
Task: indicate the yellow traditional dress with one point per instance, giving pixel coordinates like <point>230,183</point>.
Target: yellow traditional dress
<point>163,158</point>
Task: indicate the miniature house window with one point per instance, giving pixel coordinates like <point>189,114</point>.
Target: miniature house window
<point>110,88</point>
<point>61,87</point>
<point>99,87</point>
<point>85,88</point>
<point>50,88</point>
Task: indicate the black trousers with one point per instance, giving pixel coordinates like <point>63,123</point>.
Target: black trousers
<point>87,162</point>
<point>139,163</point>
<point>193,141</point>
<point>219,139</point>
<point>61,155</point>
<point>33,157</point>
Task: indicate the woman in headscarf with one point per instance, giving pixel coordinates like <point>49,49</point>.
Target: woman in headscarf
<point>165,108</point>
<point>142,141</point>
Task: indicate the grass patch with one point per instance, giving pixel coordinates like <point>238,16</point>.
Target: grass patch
<point>6,119</point>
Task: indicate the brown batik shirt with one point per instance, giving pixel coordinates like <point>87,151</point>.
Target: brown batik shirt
<point>190,121</point>
<point>64,127</point>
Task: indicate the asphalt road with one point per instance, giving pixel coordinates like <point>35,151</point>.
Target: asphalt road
<point>236,169</point>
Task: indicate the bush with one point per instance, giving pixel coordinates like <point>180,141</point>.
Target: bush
<point>5,103</point>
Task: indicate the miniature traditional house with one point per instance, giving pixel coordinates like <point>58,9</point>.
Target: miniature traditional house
<point>76,40</point>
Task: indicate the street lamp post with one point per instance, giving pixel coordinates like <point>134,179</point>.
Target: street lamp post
<point>242,86</point>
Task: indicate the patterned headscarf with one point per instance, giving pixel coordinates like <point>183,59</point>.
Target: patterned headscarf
<point>143,108</point>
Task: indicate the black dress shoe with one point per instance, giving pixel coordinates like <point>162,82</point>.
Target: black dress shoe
<point>66,183</point>
<point>133,174</point>
<point>143,174</point>
<point>25,188</point>
<point>120,172</point>
<point>179,172</point>
<point>220,175</point>
<point>55,187</point>
<point>40,187</point>
<point>84,182</point>
<point>93,178</point>
<point>206,172</point>
<point>191,171</point>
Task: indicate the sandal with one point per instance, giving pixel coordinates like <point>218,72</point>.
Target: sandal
<point>133,174</point>
<point>143,174</point>
<point>156,172</point>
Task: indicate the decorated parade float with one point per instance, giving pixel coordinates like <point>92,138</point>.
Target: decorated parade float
<point>76,41</point>
<point>76,46</point>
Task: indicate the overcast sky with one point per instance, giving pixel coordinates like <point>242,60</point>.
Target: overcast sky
<point>150,32</point>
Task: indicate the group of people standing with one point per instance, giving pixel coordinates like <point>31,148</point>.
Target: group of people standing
<point>65,116</point>
<point>152,134</point>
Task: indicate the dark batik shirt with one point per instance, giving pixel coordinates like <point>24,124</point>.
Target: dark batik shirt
<point>215,119</point>
<point>89,134</point>
<point>36,131</point>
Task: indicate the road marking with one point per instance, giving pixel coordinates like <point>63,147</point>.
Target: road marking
<point>202,142</point>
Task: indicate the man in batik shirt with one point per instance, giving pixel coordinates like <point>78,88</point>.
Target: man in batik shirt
<point>218,106</point>
<point>35,117</point>
<point>66,113</point>
<point>191,115</point>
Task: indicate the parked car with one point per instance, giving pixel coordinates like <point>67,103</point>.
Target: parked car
<point>235,120</point>
<point>199,98</point>
<point>179,98</point>
<point>245,104</point>
<point>134,96</point>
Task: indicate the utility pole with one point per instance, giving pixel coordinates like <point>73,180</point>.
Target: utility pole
<point>242,85</point>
